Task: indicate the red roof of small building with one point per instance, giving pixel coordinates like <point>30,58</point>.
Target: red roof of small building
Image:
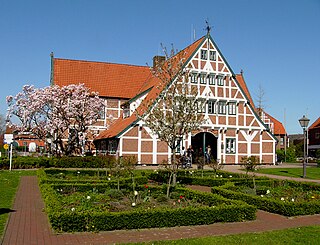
<point>316,124</point>
<point>108,79</point>
<point>278,128</point>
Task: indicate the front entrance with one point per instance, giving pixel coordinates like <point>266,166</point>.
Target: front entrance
<point>201,141</point>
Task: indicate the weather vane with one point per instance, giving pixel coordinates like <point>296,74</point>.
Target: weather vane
<point>208,27</point>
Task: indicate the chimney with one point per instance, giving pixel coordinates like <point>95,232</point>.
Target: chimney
<point>158,60</point>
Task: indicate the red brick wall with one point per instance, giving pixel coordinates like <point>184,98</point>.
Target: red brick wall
<point>130,145</point>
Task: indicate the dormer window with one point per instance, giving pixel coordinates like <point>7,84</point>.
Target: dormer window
<point>126,111</point>
<point>212,55</point>
<point>204,54</point>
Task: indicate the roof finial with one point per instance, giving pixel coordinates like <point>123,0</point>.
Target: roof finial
<point>208,27</point>
<point>241,72</point>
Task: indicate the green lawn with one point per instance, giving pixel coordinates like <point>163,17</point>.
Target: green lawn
<point>304,235</point>
<point>312,172</point>
<point>9,182</point>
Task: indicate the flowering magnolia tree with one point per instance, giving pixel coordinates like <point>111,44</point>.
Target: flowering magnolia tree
<point>58,115</point>
<point>175,112</point>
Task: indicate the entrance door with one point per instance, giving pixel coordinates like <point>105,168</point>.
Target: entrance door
<point>202,140</point>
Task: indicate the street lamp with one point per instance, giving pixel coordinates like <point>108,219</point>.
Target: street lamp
<point>304,121</point>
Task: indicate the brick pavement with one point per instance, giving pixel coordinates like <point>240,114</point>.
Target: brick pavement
<point>29,225</point>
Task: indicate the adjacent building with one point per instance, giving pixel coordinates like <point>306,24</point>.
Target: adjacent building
<point>314,138</point>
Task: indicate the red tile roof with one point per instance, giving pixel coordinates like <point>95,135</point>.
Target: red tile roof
<point>108,79</point>
<point>278,127</point>
<point>121,124</point>
<point>244,87</point>
<point>117,127</point>
<point>316,124</point>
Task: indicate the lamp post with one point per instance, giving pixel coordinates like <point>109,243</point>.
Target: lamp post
<point>304,121</point>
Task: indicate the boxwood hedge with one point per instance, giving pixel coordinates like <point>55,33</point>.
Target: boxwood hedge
<point>217,209</point>
<point>272,205</point>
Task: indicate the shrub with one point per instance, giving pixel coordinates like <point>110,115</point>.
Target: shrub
<point>272,205</point>
<point>63,162</point>
<point>218,209</point>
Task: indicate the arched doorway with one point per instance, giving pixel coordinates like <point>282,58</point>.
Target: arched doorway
<point>201,140</point>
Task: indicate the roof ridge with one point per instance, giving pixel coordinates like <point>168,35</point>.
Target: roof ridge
<point>102,62</point>
<point>315,123</point>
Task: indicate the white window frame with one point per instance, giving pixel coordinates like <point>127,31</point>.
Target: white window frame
<point>232,108</point>
<point>193,77</point>
<point>204,54</point>
<point>203,108</point>
<point>212,55</point>
<point>211,79</point>
<point>220,80</point>
<point>222,107</point>
<point>202,78</point>
<point>211,104</point>
<point>230,145</point>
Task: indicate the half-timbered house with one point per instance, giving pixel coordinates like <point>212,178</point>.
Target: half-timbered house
<point>231,125</point>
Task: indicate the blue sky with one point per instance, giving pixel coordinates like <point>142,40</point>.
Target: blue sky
<point>276,43</point>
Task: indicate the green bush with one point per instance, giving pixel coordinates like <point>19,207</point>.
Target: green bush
<point>272,205</point>
<point>98,221</point>
<point>218,209</point>
<point>63,162</point>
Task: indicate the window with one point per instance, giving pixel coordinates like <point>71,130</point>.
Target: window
<point>211,107</point>
<point>212,55</point>
<point>317,135</point>
<point>203,78</point>
<point>194,77</point>
<point>222,107</point>
<point>220,80</point>
<point>232,108</point>
<point>178,146</point>
<point>112,146</point>
<point>126,111</point>
<point>201,106</point>
<point>211,78</point>
<point>204,54</point>
<point>230,145</point>
<point>102,113</point>
<point>281,141</point>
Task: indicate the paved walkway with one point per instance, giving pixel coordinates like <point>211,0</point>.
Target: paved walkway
<point>28,224</point>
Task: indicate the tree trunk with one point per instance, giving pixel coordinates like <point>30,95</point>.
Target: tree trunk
<point>169,184</point>
<point>174,168</point>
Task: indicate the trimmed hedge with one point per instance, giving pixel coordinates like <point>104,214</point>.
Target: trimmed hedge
<point>63,162</point>
<point>216,181</point>
<point>272,205</point>
<point>104,221</point>
<point>219,209</point>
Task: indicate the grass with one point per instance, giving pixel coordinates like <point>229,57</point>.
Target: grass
<point>312,173</point>
<point>302,235</point>
<point>9,184</point>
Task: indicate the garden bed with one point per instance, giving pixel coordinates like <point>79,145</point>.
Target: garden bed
<point>97,207</point>
<point>287,198</point>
